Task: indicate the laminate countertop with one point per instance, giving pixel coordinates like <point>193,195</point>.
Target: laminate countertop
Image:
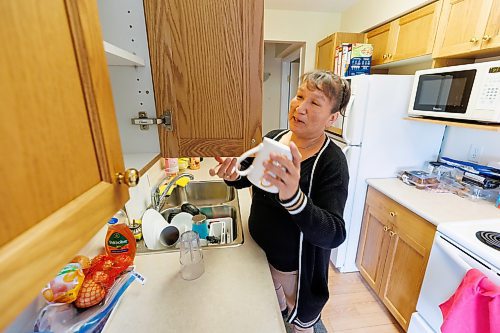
<point>235,294</point>
<point>435,207</point>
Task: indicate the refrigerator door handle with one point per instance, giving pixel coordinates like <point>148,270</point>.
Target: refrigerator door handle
<point>345,125</point>
<point>346,148</point>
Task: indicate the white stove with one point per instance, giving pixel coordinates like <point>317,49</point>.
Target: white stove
<point>456,250</point>
<point>464,235</point>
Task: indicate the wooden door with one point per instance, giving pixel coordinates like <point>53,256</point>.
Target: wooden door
<point>325,53</point>
<point>206,59</point>
<point>379,38</point>
<point>417,32</point>
<point>59,142</point>
<point>373,245</point>
<point>403,275</point>
<point>491,37</point>
<point>461,26</point>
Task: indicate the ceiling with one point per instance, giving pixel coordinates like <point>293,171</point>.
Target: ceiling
<point>311,5</point>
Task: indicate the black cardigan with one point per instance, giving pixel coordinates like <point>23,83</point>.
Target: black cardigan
<point>311,221</point>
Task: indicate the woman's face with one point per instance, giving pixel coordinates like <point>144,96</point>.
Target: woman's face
<point>310,112</point>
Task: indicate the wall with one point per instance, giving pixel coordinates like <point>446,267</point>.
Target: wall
<point>457,142</point>
<point>366,14</point>
<point>308,27</point>
<point>272,89</point>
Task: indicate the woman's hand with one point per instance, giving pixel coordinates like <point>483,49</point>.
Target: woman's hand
<point>287,173</point>
<point>226,168</point>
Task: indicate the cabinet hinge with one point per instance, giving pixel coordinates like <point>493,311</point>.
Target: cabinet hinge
<point>143,121</point>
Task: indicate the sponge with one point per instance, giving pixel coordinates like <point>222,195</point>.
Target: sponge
<point>183,181</point>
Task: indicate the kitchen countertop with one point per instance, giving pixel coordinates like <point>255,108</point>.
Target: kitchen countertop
<point>235,294</point>
<point>435,207</point>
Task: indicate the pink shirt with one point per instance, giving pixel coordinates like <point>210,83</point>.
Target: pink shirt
<point>474,307</point>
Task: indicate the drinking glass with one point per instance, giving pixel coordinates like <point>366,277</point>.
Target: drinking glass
<point>191,256</point>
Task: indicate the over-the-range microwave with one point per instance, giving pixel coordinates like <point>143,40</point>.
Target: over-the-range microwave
<point>467,92</point>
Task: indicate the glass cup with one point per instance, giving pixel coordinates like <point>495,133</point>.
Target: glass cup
<point>191,256</point>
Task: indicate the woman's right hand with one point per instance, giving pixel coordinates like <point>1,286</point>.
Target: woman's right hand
<point>226,168</point>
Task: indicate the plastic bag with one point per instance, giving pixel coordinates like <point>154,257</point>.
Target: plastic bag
<point>65,318</point>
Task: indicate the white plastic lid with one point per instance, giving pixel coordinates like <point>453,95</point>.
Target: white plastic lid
<point>113,220</point>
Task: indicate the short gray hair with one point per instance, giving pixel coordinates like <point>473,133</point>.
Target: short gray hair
<point>334,87</point>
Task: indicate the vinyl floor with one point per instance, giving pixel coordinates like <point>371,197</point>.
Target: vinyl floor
<point>354,308</point>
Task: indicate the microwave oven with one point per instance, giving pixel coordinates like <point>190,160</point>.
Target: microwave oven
<point>466,92</point>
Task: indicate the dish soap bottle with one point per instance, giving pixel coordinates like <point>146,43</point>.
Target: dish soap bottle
<point>119,238</point>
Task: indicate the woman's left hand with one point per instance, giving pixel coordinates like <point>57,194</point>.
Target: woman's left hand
<point>287,173</point>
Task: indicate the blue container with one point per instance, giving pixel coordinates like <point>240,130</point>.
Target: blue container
<point>200,225</point>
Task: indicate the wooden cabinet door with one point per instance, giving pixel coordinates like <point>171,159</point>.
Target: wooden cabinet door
<point>403,275</point>
<point>325,52</point>
<point>59,141</point>
<point>491,37</point>
<point>379,38</point>
<point>461,26</point>
<point>417,32</point>
<point>206,59</point>
<point>372,248</point>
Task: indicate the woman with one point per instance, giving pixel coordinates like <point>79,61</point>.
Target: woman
<point>298,227</point>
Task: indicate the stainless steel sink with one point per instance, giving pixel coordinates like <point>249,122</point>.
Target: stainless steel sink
<point>201,193</point>
<point>214,199</point>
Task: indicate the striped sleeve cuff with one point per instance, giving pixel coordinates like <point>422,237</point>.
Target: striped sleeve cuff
<point>295,204</point>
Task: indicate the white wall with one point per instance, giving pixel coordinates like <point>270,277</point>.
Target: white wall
<point>457,142</point>
<point>368,13</point>
<point>272,90</point>
<point>308,27</point>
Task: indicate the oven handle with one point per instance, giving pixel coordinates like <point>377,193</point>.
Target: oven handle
<point>452,252</point>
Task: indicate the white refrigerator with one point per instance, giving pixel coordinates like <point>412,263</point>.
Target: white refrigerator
<point>377,142</point>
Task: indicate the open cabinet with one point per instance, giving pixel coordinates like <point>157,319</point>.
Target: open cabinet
<point>201,71</point>
<point>124,33</point>
<point>60,145</point>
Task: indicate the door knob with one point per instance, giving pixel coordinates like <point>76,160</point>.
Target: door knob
<point>392,214</point>
<point>384,56</point>
<point>389,56</point>
<point>130,177</point>
<point>474,40</point>
<point>486,38</point>
<point>391,233</point>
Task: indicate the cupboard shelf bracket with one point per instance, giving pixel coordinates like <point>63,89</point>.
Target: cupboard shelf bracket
<point>144,122</point>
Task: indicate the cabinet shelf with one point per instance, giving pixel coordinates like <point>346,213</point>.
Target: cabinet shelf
<point>116,56</point>
<point>459,123</point>
<point>140,161</point>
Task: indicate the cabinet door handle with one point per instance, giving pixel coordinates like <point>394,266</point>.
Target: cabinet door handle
<point>486,38</point>
<point>389,55</point>
<point>386,228</point>
<point>130,177</point>
<point>384,56</point>
<point>391,233</point>
<point>393,214</point>
<point>474,40</point>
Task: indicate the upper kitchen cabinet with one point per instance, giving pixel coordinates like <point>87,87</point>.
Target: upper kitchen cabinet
<point>468,28</point>
<point>60,145</point>
<point>325,48</point>
<point>382,40</point>
<point>125,42</point>
<point>206,59</point>
<point>409,36</point>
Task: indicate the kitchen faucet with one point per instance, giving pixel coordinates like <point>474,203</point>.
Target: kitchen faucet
<point>158,199</point>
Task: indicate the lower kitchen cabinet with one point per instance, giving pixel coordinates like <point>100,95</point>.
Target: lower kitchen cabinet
<point>393,251</point>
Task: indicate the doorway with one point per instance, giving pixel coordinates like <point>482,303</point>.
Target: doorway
<point>283,66</point>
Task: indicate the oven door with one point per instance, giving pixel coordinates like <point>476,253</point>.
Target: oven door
<point>447,92</point>
<point>448,264</point>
